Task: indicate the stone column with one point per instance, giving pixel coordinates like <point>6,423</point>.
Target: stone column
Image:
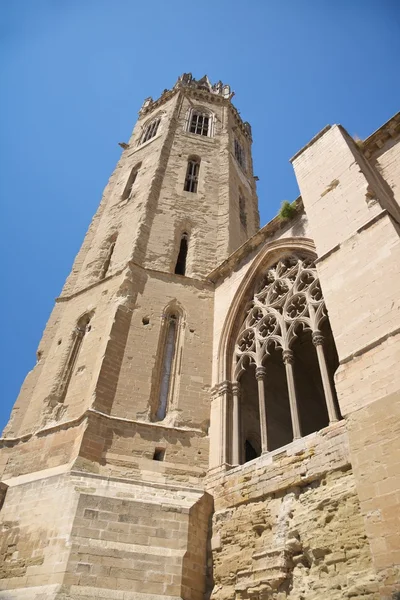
<point>236,437</point>
<point>224,391</point>
<point>287,356</point>
<point>318,340</point>
<point>260,376</point>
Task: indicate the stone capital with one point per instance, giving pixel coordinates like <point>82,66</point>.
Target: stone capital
<point>288,357</point>
<point>260,373</point>
<point>317,338</point>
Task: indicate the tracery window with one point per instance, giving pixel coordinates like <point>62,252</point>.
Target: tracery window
<point>192,175</point>
<point>200,123</point>
<point>284,359</point>
<point>150,131</point>
<point>240,154</point>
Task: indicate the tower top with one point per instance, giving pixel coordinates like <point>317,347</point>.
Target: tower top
<point>203,88</point>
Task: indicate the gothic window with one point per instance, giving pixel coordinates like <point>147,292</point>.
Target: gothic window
<point>180,266</point>
<point>284,359</point>
<point>170,355</point>
<point>192,175</point>
<point>130,183</point>
<point>240,154</point>
<point>200,123</point>
<point>150,130</point>
<point>81,329</point>
<point>242,211</point>
<point>110,250</point>
<point>166,369</point>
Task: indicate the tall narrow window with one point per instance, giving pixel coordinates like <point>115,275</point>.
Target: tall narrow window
<point>150,130</point>
<point>192,175</point>
<point>180,266</point>
<point>242,211</point>
<point>110,251</point>
<point>82,327</point>
<point>167,366</point>
<point>240,154</point>
<point>130,183</point>
<point>200,123</point>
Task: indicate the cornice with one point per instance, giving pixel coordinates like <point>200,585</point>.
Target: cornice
<point>376,140</point>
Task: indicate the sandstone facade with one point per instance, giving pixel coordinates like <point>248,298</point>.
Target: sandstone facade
<point>215,410</point>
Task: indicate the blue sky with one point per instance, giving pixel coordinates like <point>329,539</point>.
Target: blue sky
<point>74,74</point>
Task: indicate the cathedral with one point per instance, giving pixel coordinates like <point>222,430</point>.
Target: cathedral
<point>215,409</point>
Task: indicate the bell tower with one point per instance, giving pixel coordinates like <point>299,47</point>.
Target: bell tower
<point>107,445</point>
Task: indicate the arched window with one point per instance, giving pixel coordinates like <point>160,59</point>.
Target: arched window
<point>110,250</point>
<point>200,122</point>
<point>242,210</point>
<point>130,183</point>
<point>150,130</point>
<point>180,267</point>
<point>170,351</point>
<point>81,329</point>
<point>285,358</point>
<point>192,174</point>
<point>240,154</point>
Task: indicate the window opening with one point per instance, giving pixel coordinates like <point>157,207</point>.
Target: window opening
<point>180,267</point>
<point>107,262</point>
<point>159,454</point>
<point>240,154</point>
<point>82,327</point>
<point>200,123</point>
<point>150,131</point>
<point>285,358</point>
<point>242,211</point>
<point>130,183</point>
<point>249,451</point>
<point>192,175</point>
<point>168,361</point>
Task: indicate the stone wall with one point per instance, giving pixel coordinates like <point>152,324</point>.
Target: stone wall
<point>288,525</point>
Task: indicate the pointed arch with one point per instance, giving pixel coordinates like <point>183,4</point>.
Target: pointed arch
<point>164,397</point>
<point>236,313</point>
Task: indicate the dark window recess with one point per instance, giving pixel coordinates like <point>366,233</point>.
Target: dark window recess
<point>200,124</point>
<point>107,261</point>
<point>129,184</point>
<point>242,211</point>
<point>240,154</point>
<point>250,452</point>
<point>192,175</point>
<point>180,267</point>
<point>159,454</point>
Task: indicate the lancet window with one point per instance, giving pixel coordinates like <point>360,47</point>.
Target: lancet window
<point>284,360</point>
<point>170,350</point>
<point>180,267</point>
<point>82,328</point>
<point>130,183</point>
<point>240,154</point>
<point>192,175</point>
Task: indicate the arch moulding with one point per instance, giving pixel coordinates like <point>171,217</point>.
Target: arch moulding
<point>269,254</point>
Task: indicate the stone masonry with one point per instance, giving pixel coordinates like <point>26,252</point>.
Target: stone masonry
<point>144,459</point>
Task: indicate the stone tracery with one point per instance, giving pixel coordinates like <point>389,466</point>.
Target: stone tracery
<point>286,304</point>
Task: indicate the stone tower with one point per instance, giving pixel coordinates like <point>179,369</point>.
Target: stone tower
<point>107,444</point>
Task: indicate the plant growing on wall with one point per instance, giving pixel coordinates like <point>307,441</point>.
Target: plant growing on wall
<point>287,210</point>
